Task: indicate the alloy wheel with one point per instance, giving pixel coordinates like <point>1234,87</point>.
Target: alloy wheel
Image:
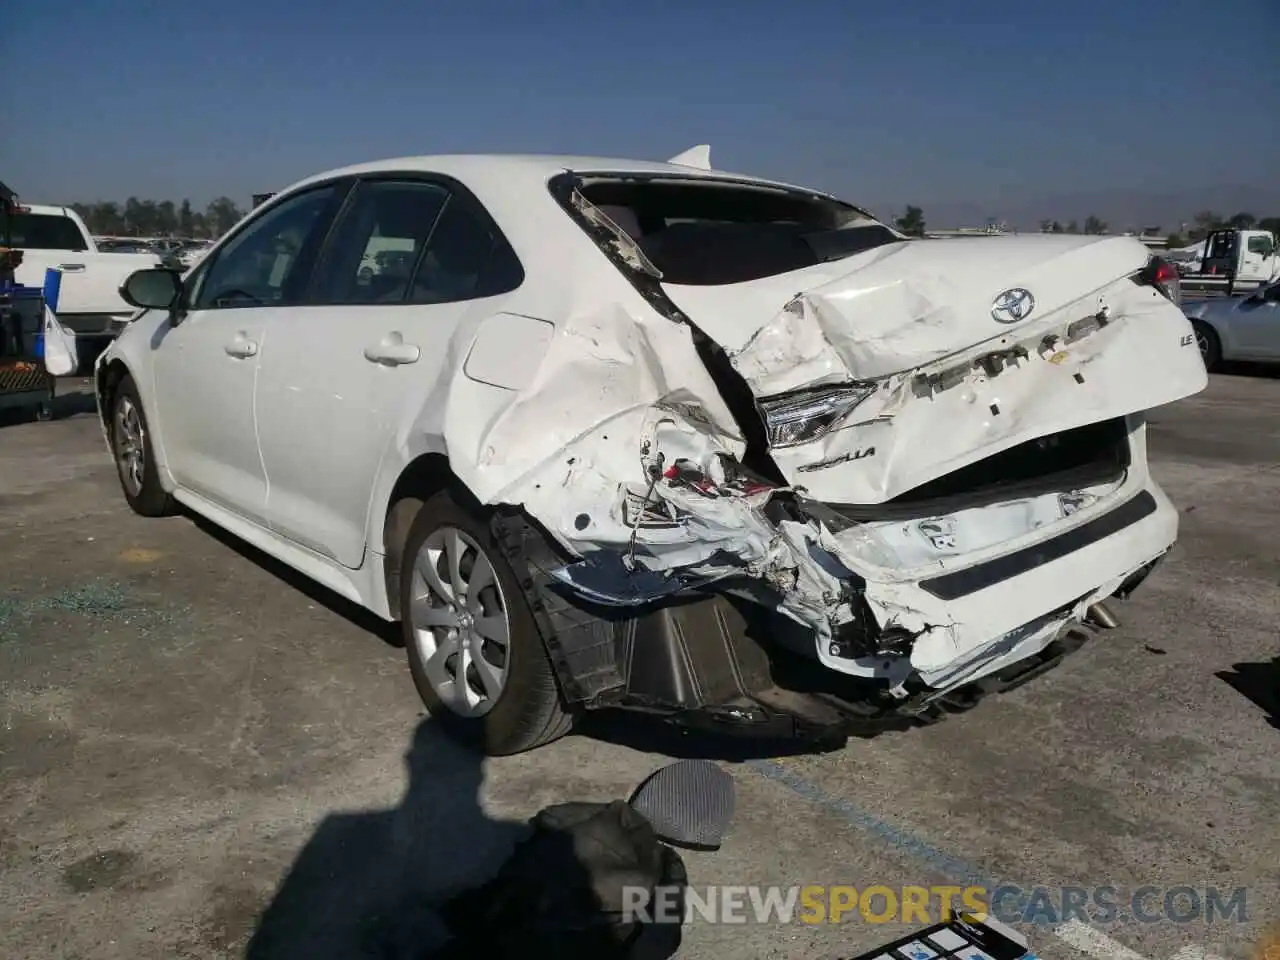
<point>131,446</point>
<point>460,622</point>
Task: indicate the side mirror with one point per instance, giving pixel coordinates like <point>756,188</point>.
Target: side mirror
<point>155,288</point>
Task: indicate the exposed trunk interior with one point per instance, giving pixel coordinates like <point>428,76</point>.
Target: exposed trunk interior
<point>1092,454</point>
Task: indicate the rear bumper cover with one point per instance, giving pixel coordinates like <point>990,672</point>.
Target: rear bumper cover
<point>970,622</point>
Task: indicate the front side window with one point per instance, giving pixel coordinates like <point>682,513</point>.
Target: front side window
<point>1262,245</point>
<point>268,262</point>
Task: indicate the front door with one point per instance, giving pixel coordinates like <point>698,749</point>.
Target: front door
<point>1255,325</point>
<point>404,268</point>
<point>1257,258</point>
<point>206,365</point>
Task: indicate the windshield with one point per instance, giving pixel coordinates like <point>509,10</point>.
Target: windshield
<point>705,231</point>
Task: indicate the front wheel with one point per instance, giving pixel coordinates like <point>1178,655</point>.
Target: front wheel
<point>134,453</point>
<point>474,649</point>
<point>1209,345</point>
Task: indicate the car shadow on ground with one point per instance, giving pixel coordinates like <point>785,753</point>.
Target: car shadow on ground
<point>1259,683</point>
<point>369,883</point>
<point>387,632</point>
<point>63,406</point>
<point>73,404</point>
<point>1240,368</point>
<point>653,734</point>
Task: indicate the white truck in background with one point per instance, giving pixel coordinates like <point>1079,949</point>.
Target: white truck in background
<point>1231,261</point>
<point>89,303</point>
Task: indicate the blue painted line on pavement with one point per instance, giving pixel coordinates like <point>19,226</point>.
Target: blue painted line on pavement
<point>899,838</point>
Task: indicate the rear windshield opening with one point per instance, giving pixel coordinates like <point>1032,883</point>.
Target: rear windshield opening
<point>705,232</point>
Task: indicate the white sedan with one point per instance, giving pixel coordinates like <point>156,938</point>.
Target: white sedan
<point>1238,328</point>
<point>650,435</point>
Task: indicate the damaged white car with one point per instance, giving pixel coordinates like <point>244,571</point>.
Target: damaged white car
<point>649,435</point>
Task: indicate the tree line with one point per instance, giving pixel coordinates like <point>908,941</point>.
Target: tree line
<point>158,218</point>
<point>1203,223</point>
<point>912,223</point>
<point>1206,221</point>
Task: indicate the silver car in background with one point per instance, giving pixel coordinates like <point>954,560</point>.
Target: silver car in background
<point>1237,328</point>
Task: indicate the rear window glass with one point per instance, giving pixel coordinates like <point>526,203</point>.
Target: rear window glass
<point>40,231</point>
<point>707,232</point>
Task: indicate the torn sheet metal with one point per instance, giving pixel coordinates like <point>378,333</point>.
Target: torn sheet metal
<point>621,446</point>
<point>945,384</point>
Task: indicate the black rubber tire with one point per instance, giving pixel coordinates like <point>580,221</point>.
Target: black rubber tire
<point>529,712</point>
<point>152,500</point>
<point>1208,344</point>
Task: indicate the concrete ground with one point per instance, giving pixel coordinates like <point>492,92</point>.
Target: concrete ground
<point>184,724</point>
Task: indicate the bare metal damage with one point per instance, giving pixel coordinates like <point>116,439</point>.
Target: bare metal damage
<point>644,484</point>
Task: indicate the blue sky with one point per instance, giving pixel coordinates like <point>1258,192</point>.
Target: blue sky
<point>883,103</point>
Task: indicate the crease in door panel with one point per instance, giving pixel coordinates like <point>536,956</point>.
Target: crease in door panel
<point>257,433</point>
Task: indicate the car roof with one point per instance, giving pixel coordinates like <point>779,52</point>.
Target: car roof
<point>42,209</point>
<point>477,168</point>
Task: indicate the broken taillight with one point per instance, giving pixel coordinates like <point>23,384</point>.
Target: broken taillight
<point>1162,275</point>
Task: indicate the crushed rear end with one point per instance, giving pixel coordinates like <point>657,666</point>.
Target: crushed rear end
<point>927,457</point>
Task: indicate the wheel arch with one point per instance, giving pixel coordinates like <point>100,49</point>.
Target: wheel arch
<point>422,477</point>
<point>106,378</point>
<point>1224,341</point>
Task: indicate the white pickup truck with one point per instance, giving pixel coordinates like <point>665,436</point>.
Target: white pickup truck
<point>1231,261</point>
<point>89,301</point>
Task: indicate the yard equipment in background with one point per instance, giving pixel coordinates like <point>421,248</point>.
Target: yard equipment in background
<point>34,347</point>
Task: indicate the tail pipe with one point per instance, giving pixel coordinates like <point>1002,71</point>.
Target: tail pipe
<point>1100,615</point>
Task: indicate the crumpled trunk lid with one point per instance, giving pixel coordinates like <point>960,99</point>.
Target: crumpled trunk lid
<point>953,383</point>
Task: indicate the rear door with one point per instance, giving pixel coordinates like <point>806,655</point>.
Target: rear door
<point>410,259</point>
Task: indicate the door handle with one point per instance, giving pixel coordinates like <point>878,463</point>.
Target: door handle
<point>242,347</point>
<point>71,267</point>
<point>392,351</point>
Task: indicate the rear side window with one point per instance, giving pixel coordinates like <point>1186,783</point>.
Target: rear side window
<point>707,232</point>
<point>466,258</point>
<point>40,231</point>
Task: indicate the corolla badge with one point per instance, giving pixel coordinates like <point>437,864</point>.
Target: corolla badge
<point>1013,305</point>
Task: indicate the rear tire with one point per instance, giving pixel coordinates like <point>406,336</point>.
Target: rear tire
<point>134,453</point>
<point>1209,345</point>
<point>459,599</point>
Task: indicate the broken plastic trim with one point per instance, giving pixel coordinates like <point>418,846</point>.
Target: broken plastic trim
<point>626,247</point>
<point>1162,275</point>
<point>733,387</point>
<point>606,578</point>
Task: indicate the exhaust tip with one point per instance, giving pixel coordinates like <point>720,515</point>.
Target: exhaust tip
<point>1100,615</point>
